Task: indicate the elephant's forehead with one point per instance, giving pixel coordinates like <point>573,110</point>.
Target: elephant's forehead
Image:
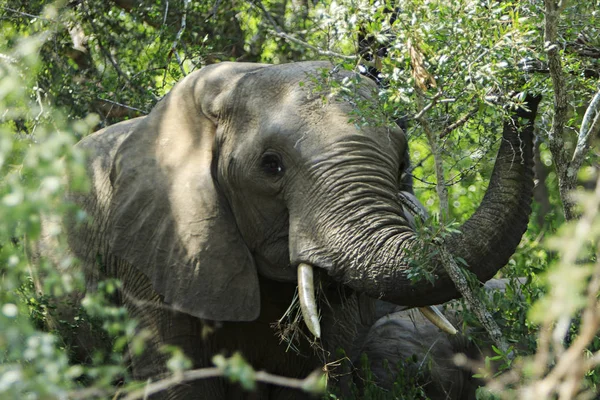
<point>330,118</point>
<point>289,87</point>
<point>293,106</point>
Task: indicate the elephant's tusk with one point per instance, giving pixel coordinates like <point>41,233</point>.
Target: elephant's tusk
<point>306,293</point>
<point>438,319</point>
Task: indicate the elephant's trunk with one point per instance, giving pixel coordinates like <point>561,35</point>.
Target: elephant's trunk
<point>378,249</point>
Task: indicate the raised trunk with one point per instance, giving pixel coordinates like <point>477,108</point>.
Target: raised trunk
<point>379,261</point>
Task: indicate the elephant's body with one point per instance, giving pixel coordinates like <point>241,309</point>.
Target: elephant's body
<point>347,320</point>
<point>200,340</point>
<point>207,207</point>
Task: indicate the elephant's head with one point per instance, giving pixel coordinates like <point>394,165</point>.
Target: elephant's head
<point>247,169</point>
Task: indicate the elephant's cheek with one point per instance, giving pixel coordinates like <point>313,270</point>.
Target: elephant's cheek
<point>305,249</point>
<point>279,270</point>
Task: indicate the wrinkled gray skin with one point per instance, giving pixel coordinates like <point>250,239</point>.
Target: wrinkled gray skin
<point>426,352</point>
<point>400,335</point>
<point>205,207</point>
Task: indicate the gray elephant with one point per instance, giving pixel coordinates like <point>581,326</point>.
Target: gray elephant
<point>249,182</point>
<point>400,335</point>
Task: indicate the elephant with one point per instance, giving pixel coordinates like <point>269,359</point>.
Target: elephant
<point>251,184</point>
<point>400,334</point>
<point>427,355</point>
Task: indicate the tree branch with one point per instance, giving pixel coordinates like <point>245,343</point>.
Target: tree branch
<point>426,108</point>
<point>178,35</point>
<point>459,122</point>
<point>441,188</point>
<point>306,384</point>
<point>123,105</point>
<point>590,126</point>
<point>556,134</point>
<point>27,14</point>
<point>483,315</point>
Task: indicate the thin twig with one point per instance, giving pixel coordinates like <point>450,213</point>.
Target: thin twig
<point>268,15</point>
<point>123,105</point>
<point>37,117</point>
<point>107,53</point>
<point>215,8</point>
<point>204,373</point>
<point>459,122</point>
<point>166,12</point>
<point>426,108</point>
<point>28,15</point>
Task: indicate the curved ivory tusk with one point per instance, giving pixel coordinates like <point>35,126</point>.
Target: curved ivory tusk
<point>438,319</point>
<point>306,293</point>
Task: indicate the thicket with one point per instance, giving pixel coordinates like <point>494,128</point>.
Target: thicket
<point>448,71</point>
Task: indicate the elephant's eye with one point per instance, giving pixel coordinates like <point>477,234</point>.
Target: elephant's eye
<point>271,164</point>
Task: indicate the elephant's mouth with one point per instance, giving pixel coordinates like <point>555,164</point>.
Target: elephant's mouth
<point>310,312</point>
<point>267,267</point>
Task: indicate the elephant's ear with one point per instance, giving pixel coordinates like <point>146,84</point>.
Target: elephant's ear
<point>168,218</point>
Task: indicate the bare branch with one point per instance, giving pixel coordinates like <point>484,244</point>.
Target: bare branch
<point>124,106</point>
<point>590,126</point>
<point>167,12</point>
<point>278,31</point>
<point>179,34</point>
<point>459,122</point>
<point>107,54</point>
<point>164,384</point>
<point>204,373</point>
<point>215,8</point>
<point>268,15</point>
<point>426,108</point>
<point>28,15</point>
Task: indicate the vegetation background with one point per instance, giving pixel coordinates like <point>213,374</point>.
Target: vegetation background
<point>448,72</point>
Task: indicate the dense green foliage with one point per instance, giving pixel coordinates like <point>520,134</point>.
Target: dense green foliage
<point>449,70</point>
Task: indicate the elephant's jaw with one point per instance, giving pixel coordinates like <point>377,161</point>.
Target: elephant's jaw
<point>274,270</point>
<point>310,312</point>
